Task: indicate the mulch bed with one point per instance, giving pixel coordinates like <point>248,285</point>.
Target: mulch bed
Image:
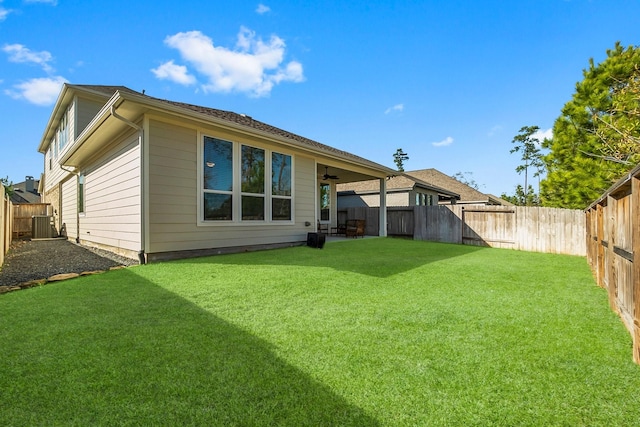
<point>38,260</point>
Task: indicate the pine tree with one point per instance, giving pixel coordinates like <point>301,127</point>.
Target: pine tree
<point>591,148</point>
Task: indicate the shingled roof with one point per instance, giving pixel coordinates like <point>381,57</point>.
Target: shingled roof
<point>400,182</point>
<point>467,194</point>
<point>26,192</point>
<point>229,116</point>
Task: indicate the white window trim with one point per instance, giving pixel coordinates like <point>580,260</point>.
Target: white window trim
<point>236,192</point>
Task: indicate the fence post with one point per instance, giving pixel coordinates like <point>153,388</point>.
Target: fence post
<point>635,238</point>
<point>3,226</point>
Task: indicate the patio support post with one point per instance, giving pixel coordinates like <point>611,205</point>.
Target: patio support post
<point>382,228</point>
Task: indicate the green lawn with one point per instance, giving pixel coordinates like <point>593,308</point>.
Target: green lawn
<point>369,332</point>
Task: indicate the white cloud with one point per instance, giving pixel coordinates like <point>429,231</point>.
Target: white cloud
<point>51,2</point>
<point>397,107</point>
<point>42,91</point>
<point>253,67</point>
<point>3,13</point>
<point>542,134</point>
<point>20,53</point>
<point>447,141</point>
<point>262,9</point>
<point>494,130</point>
<point>174,73</point>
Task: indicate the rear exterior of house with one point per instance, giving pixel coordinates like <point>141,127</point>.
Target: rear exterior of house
<point>155,179</point>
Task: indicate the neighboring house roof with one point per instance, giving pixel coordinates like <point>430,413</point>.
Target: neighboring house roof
<point>467,194</point>
<point>398,183</point>
<point>26,192</point>
<point>116,96</point>
<point>499,200</point>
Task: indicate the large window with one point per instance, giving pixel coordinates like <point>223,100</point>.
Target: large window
<point>235,186</point>
<point>218,179</point>
<point>252,183</point>
<point>280,187</point>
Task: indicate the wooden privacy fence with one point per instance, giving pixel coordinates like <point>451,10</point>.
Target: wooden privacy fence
<point>6,224</point>
<point>613,250</point>
<point>535,229</point>
<point>23,214</point>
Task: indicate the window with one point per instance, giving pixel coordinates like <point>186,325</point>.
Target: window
<point>280,187</point>
<point>218,179</point>
<point>54,143</point>
<point>81,193</point>
<point>235,186</point>
<point>252,183</point>
<point>325,201</point>
<point>62,132</point>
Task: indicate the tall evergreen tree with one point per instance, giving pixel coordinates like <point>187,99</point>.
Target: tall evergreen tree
<point>590,147</point>
<point>399,157</point>
<point>529,148</point>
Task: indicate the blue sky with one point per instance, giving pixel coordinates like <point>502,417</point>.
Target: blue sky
<point>449,82</point>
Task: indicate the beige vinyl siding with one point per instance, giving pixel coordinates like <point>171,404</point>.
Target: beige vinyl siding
<point>85,111</point>
<point>305,191</point>
<point>173,195</point>
<point>373,200</point>
<point>79,113</point>
<point>112,199</point>
<point>70,206</point>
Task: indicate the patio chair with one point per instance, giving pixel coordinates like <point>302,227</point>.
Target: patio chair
<point>355,228</point>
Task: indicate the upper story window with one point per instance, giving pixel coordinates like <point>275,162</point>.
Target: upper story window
<point>54,144</point>
<point>235,185</point>
<point>62,132</point>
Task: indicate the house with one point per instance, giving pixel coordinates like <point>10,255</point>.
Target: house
<point>468,195</point>
<point>156,179</point>
<point>402,190</point>
<point>26,191</point>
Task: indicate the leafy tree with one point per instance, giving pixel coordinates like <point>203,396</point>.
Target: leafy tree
<point>529,147</point>
<point>399,158</point>
<point>522,199</point>
<point>7,185</point>
<point>466,178</point>
<point>595,140</point>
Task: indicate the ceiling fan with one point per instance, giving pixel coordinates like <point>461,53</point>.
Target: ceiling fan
<point>326,174</point>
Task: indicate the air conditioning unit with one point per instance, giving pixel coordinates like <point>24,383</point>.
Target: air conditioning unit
<point>42,227</point>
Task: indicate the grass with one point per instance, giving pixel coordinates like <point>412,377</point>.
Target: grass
<point>364,333</point>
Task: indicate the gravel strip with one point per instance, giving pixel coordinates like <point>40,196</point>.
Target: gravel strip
<point>40,259</point>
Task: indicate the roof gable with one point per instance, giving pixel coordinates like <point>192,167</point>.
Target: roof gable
<point>440,179</point>
<point>398,182</point>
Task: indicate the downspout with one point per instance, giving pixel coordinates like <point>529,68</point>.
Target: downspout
<point>141,253</point>
<point>74,172</point>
